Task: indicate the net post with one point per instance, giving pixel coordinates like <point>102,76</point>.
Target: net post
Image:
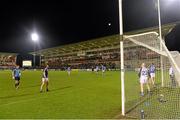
<point>122,75</point>
<point>122,58</point>
<point>162,45</point>
<point>160,35</point>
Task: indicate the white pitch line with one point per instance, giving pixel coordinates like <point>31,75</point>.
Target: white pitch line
<point>17,102</point>
<point>21,101</point>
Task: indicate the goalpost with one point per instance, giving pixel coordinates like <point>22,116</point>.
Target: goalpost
<point>148,48</point>
<point>121,57</point>
<point>160,35</point>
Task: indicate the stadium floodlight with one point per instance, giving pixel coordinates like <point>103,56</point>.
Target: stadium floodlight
<point>34,37</point>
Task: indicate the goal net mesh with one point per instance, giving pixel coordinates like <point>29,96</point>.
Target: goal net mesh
<point>163,100</point>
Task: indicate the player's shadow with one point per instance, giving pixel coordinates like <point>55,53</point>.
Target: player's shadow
<point>14,96</point>
<point>27,94</point>
<point>62,88</point>
<point>31,86</point>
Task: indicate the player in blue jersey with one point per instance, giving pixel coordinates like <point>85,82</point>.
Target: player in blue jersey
<point>45,80</point>
<point>16,73</point>
<point>152,71</point>
<point>143,77</point>
<point>69,71</point>
<point>97,69</point>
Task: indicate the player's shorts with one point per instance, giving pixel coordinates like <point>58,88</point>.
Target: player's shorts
<point>152,75</point>
<point>143,79</point>
<point>172,77</point>
<point>17,78</point>
<point>45,79</point>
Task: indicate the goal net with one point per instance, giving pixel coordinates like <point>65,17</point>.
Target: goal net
<point>163,99</point>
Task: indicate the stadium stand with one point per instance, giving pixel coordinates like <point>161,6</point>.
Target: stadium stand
<point>88,54</point>
<point>7,60</point>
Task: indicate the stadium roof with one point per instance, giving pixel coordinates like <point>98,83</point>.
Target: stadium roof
<point>7,54</point>
<point>110,42</point>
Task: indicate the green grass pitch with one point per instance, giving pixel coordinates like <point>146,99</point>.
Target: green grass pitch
<point>82,95</point>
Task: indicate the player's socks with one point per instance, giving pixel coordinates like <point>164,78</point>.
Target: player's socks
<point>41,90</point>
<point>47,89</point>
<point>17,87</point>
<point>149,92</point>
<point>16,84</point>
<point>142,94</point>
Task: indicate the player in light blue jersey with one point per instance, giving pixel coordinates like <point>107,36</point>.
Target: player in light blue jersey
<point>16,73</point>
<point>143,77</point>
<point>152,70</point>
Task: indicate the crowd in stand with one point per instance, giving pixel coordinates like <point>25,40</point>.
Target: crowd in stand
<point>110,59</point>
<point>92,66</point>
<point>7,62</point>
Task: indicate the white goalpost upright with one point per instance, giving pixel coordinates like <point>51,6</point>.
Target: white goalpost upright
<point>162,45</point>
<point>160,37</point>
<point>122,58</point>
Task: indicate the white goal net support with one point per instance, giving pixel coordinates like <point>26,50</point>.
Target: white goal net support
<point>163,102</point>
<point>151,41</point>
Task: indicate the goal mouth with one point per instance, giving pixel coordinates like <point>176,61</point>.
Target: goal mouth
<point>163,99</point>
<point>158,105</point>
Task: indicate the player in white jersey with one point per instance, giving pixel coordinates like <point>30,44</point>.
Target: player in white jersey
<point>172,76</point>
<point>69,71</point>
<point>45,80</point>
<point>143,77</point>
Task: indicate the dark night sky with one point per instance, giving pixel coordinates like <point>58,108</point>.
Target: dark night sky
<point>68,21</point>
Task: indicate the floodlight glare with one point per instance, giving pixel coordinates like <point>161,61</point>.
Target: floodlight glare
<point>171,3</point>
<point>34,37</point>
